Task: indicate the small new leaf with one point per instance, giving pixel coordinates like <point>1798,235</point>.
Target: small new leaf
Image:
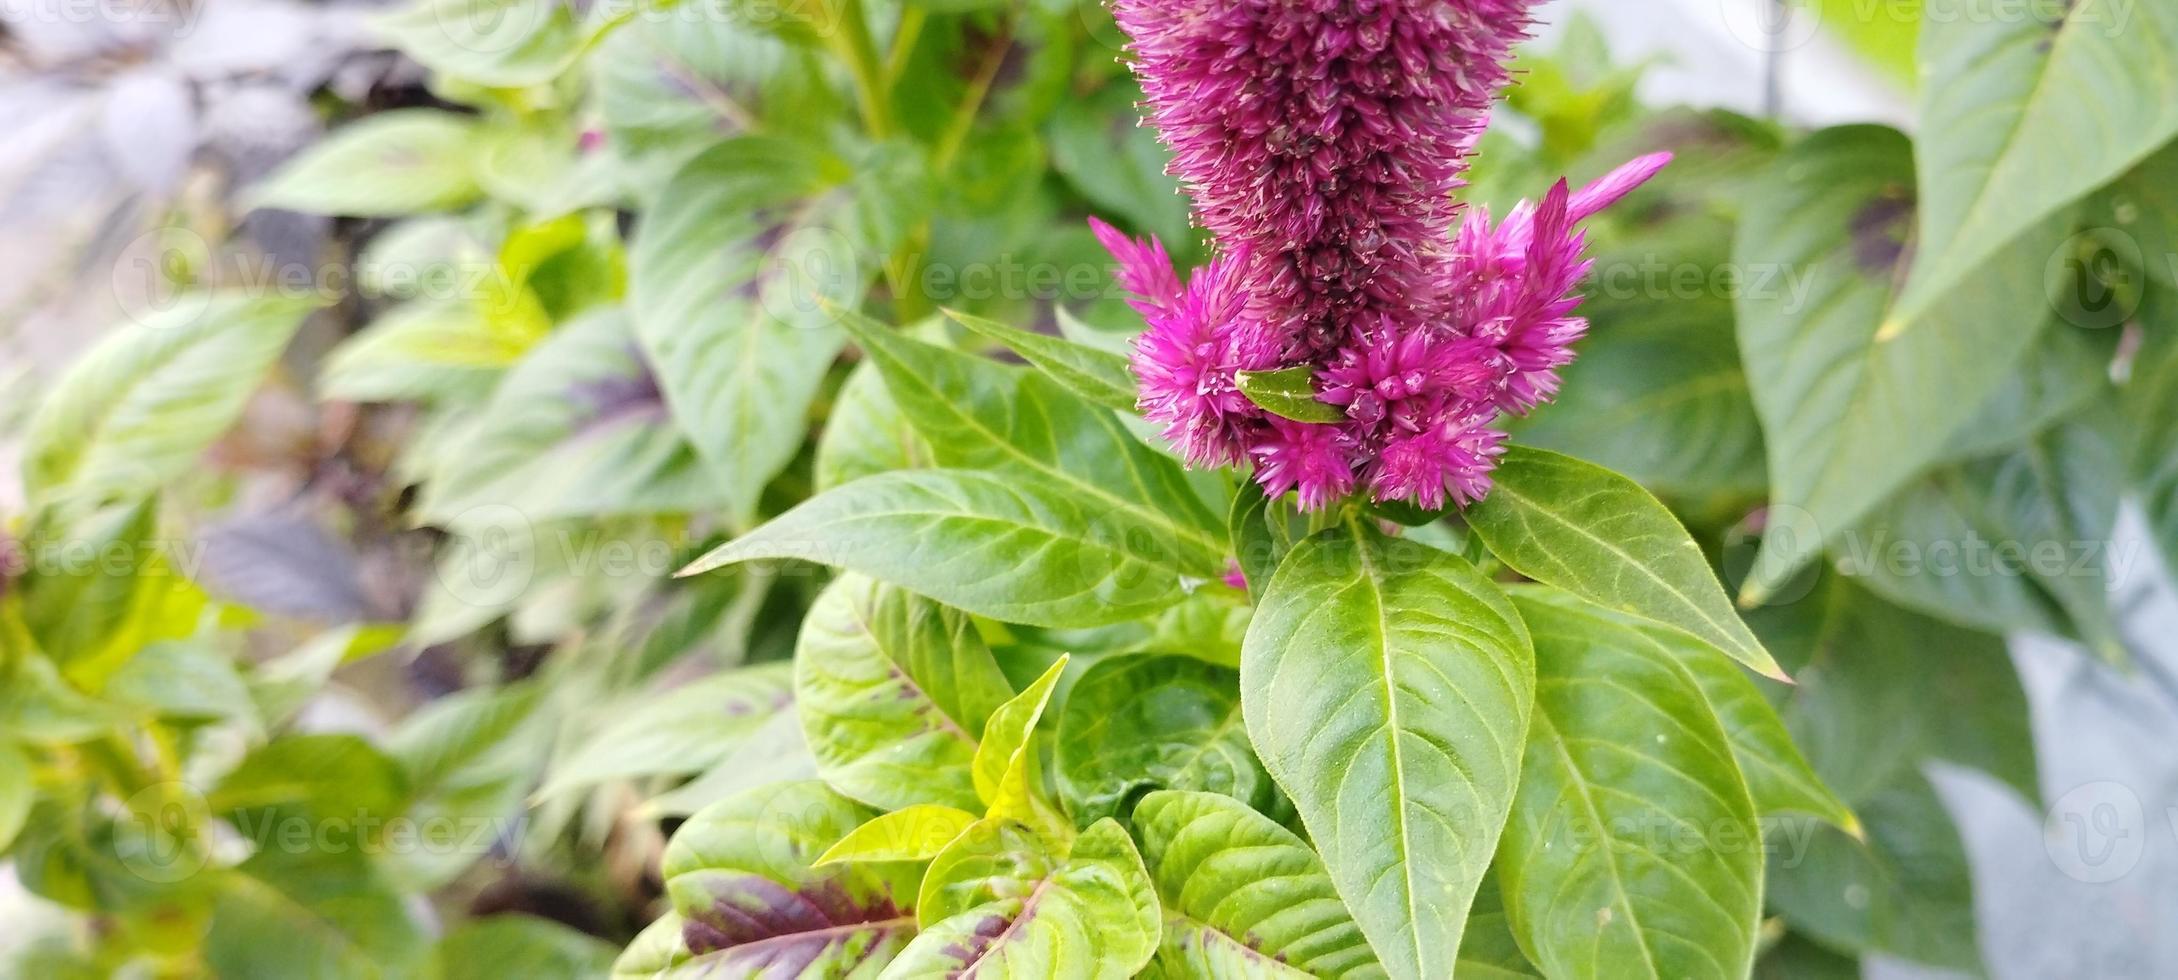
<point>1288,394</point>
<point>917,833</point>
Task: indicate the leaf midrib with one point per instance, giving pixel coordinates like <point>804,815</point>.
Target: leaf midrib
<point>1392,730</point>
<point>1579,785</point>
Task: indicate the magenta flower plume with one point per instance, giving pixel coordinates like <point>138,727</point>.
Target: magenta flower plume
<point>1321,141</point>
<point>1324,138</point>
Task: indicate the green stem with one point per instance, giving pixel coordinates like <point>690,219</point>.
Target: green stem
<point>963,122</point>
<point>854,45</point>
<point>903,42</point>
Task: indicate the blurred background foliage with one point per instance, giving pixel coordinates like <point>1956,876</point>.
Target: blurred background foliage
<point>446,333</point>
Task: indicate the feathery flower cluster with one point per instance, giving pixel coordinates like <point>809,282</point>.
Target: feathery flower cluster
<point>1321,141</point>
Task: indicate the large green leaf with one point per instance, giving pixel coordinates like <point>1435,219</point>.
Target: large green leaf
<point>2016,541</point>
<point>1881,688</point>
<point>1138,723</point>
<point>1854,401</point>
<point>1386,686</point>
<point>728,276</point>
<point>331,776</point>
<point>2027,108</point>
<point>1907,890</point>
<point>979,414</point>
<point>312,914</point>
<point>470,758</point>
<point>133,413</point>
<point>577,429</point>
<point>1600,536</point>
<point>1778,776</point>
<point>750,903</point>
<point>866,435</point>
<point>893,691</point>
<point>1242,896</point>
<point>670,87</point>
<point>386,165</point>
<point>1489,950</point>
<point>428,350</point>
<point>1633,848</point>
<point>996,906</point>
<point>500,43</point>
<point>521,946</point>
<point>1881,692</point>
<point>1011,546</point>
<point>686,729</point>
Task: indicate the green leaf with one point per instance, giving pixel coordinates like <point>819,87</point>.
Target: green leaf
<point>1908,891</point>
<point>499,43</point>
<point>1139,723</point>
<point>1489,950</point>
<point>1856,401</point>
<point>134,412</point>
<point>658,953</point>
<point>1289,394</point>
<point>1242,896</point>
<point>1600,536</point>
<point>686,729</point>
<point>669,88</point>
<point>742,880</point>
<point>423,351</point>
<point>1881,688</point>
<point>1099,146</point>
<point>1633,848</point>
<point>1099,377</point>
<point>386,165</point>
<point>311,913</point>
<point>1778,776</point>
<point>2019,541</point>
<point>470,758</point>
<point>727,278</point>
<point>520,946</point>
<point>18,789</point>
<point>577,429</point>
<point>37,705</point>
<point>2151,408</point>
<point>914,833</point>
<point>1005,759</point>
<point>2028,108</point>
<point>2066,371</point>
<point>866,434</point>
<point>182,681</point>
<point>979,414</point>
<point>328,776</point>
<point>995,906</point>
<point>893,691</point>
<point>1386,687</point>
<point>1012,547</point>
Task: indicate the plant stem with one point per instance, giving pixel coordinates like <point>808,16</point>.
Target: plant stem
<point>963,122</point>
<point>903,42</point>
<point>852,42</point>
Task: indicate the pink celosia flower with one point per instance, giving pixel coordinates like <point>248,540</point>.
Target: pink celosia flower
<point>1323,137</point>
<point>1321,141</point>
<point>1314,459</point>
<point>1194,345</point>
